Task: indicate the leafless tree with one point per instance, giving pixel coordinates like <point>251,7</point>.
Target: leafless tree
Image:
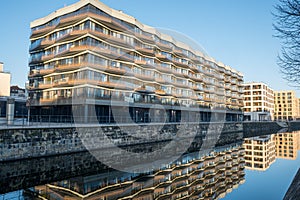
<point>287,27</point>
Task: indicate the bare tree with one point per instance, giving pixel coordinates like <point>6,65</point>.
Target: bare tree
<point>287,27</point>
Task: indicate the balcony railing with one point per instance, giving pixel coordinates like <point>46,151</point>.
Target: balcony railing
<point>145,77</point>
<point>145,50</point>
<point>47,57</point>
<point>164,46</point>
<point>181,64</point>
<point>41,31</point>
<point>163,69</point>
<point>144,63</point>
<point>161,56</point>
<point>145,38</point>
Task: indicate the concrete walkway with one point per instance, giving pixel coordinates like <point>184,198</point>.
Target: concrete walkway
<point>293,192</point>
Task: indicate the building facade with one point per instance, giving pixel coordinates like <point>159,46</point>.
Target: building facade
<point>258,102</point>
<point>259,152</point>
<point>17,92</point>
<point>286,105</point>
<point>5,82</point>
<point>13,110</point>
<point>87,54</point>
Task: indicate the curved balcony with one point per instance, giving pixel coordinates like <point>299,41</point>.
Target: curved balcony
<point>160,92</point>
<point>43,72</point>
<point>72,35</point>
<point>47,57</point>
<point>100,18</point>
<point>196,88</point>
<point>180,64</point>
<point>161,57</point>
<point>43,86</point>
<point>178,74</point>
<point>68,20</point>
<point>40,72</point>
<point>42,31</point>
<point>99,34</point>
<point>143,63</point>
<point>74,82</point>
<point>145,38</point>
<point>144,77</point>
<point>119,41</point>
<point>113,54</point>
<point>42,44</point>
<point>159,80</point>
<point>163,46</point>
<point>196,60</point>
<point>208,99</point>
<point>69,67</point>
<point>145,51</point>
<point>179,53</point>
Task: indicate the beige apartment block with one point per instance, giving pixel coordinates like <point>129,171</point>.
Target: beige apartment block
<point>287,145</point>
<point>5,82</point>
<point>286,105</point>
<point>258,102</point>
<point>259,152</point>
<point>93,53</point>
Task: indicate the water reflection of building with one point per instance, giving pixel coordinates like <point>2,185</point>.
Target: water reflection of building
<point>259,152</point>
<point>193,177</point>
<point>287,145</point>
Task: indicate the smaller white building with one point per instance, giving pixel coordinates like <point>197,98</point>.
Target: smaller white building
<point>258,102</point>
<point>5,82</point>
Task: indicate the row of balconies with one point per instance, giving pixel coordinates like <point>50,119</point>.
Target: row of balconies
<point>118,40</point>
<point>121,71</point>
<point>113,55</point>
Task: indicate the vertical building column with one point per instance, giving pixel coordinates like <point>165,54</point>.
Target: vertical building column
<point>86,113</point>
<point>10,111</point>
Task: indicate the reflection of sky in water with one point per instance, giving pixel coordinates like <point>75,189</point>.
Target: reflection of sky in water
<point>271,184</point>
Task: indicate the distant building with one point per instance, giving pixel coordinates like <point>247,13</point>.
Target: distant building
<point>286,105</point>
<point>12,109</point>
<point>259,152</point>
<point>258,102</point>
<point>17,92</point>
<point>5,82</point>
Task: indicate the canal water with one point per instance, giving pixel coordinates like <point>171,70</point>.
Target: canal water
<point>248,168</point>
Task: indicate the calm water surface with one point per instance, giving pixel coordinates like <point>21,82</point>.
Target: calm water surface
<point>253,168</point>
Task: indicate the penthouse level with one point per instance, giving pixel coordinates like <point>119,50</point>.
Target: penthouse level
<point>89,51</point>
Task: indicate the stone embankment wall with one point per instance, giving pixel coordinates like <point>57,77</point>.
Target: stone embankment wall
<point>38,142</point>
<point>294,125</point>
<point>253,129</point>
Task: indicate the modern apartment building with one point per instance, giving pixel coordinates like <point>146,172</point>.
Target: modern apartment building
<point>286,105</point>
<point>287,145</point>
<point>17,92</point>
<point>85,55</point>
<point>259,152</point>
<point>258,102</point>
<point>5,82</point>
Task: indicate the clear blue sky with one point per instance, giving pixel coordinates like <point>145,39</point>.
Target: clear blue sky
<point>237,33</point>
